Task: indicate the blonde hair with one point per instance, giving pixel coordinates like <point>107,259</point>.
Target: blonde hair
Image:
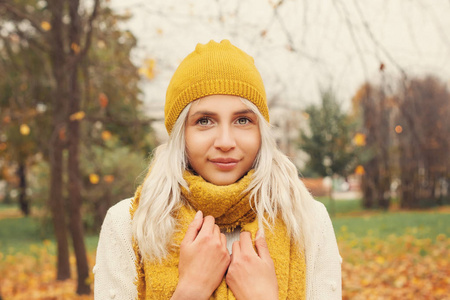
<point>276,190</point>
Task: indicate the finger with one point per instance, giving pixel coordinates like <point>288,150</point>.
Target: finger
<point>236,251</point>
<point>223,239</point>
<point>194,227</point>
<point>208,225</point>
<point>245,242</point>
<point>216,231</point>
<point>262,248</point>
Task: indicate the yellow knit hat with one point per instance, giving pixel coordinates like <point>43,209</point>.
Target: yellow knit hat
<point>214,69</point>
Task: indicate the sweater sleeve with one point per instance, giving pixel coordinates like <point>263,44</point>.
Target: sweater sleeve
<point>114,270</point>
<point>325,268</point>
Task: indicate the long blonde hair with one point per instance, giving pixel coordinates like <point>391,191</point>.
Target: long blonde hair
<point>276,190</point>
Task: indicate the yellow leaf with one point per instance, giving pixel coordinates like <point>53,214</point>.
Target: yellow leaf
<point>75,47</point>
<point>360,170</point>
<point>148,70</point>
<point>24,129</point>
<point>400,281</point>
<point>380,260</point>
<point>359,139</point>
<point>77,116</point>
<point>106,135</point>
<point>46,26</point>
<point>93,178</point>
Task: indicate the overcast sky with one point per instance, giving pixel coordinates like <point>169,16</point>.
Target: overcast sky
<point>302,45</point>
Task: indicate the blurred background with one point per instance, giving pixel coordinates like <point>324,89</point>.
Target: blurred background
<point>359,99</point>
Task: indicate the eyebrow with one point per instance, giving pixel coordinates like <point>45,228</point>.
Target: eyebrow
<point>210,113</point>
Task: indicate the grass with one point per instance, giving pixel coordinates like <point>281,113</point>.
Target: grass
<point>351,219</point>
<point>18,234</point>
<point>422,225</point>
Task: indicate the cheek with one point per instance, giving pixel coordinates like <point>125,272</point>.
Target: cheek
<point>196,146</point>
<point>251,144</point>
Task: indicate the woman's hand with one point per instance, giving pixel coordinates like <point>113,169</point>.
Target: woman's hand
<point>204,259</point>
<point>252,276</point>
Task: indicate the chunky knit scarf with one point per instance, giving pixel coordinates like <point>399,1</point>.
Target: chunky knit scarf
<point>230,206</point>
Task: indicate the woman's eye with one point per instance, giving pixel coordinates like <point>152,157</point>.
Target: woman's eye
<point>203,121</point>
<point>243,121</point>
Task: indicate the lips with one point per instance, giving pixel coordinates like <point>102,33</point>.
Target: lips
<point>225,164</point>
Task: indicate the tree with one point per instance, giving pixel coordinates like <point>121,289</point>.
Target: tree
<point>329,140</point>
<point>61,33</point>
<point>22,86</point>
<point>406,130</point>
<point>422,128</point>
<point>375,110</point>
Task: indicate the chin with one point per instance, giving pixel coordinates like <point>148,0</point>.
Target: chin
<point>226,179</point>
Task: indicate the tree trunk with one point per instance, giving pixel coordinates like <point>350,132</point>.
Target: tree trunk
<point>23,201</point>
<point>76,221</point>
<point>57,58</point>
<point>57,209</point>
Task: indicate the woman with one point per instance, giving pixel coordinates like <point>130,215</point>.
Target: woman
<point>222,213</point>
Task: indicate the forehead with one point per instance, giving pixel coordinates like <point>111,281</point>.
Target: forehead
<point>218,103</point>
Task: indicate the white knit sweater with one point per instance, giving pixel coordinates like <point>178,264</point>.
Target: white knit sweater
<point>115,270</point>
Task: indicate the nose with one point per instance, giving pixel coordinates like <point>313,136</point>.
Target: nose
<point>224,140</point>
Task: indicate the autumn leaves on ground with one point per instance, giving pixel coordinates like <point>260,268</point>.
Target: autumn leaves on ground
<point>386,255</point>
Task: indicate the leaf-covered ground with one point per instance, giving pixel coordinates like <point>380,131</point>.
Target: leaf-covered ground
<point>412,262</point>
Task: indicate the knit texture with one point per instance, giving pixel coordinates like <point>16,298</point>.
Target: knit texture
<point>159,280</point>
<point>233,207</point>
<point>214,69</point>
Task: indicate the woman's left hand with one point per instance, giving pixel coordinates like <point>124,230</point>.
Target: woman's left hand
<point>252,275</point>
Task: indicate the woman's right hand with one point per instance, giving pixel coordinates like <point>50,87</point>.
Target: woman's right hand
<point>204,259</point>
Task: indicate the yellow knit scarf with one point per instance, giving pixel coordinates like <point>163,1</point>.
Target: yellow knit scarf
<point>231,208</point>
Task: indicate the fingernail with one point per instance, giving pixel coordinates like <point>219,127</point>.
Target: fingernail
<point>198,215</point>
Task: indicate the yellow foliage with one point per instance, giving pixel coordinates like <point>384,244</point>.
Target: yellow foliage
<point>77,116</point>
<point>148,70</point>
<point>397,267</point>
<point>46,26</point>
<point>106,135</point>
<point>75,47</point>
<point>24,129</point>
<point>360,170</point>
<point>359,139</point>
<point>93,178</point>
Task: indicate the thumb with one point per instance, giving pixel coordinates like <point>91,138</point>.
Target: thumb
<point>194,227</point>
<point>261,245</point>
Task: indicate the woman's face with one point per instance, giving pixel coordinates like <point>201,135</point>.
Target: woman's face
<point>222,138</point>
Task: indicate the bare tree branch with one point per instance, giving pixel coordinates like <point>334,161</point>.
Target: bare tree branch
<point>375,40</point>
<point>20,15</point>
<point>351,30</point>
<point>88,39</point>
<point>31,41</point>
